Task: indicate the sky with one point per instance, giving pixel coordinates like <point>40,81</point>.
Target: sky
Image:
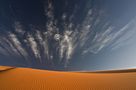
<point>68,34</point>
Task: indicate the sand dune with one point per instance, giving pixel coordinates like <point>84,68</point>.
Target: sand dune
<point>5,68</point>
<point>34,79</point>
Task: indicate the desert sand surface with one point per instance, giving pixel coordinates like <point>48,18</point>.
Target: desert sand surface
<point>5,68</point>
<point>35,79</point>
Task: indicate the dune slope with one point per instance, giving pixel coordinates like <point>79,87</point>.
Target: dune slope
<point>34,79</point>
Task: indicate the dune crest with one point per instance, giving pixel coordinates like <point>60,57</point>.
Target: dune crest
<point>5,68</point>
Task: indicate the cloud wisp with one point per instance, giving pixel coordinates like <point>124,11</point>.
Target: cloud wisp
<point>55,47</point>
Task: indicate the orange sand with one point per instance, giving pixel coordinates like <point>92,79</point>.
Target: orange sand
<point>34,79</point>
<point>3,68</point>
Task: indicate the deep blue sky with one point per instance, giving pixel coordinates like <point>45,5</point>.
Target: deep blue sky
<point>68,34</point>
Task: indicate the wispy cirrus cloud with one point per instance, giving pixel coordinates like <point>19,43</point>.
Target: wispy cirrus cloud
<point>57,45</point>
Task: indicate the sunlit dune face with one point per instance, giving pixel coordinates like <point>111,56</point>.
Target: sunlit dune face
<point>27,79</point>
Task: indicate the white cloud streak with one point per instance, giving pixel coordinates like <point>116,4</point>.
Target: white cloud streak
<point>49,43</point>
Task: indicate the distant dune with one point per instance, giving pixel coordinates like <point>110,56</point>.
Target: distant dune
<point>5,68</point>
<point>34,79</point>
